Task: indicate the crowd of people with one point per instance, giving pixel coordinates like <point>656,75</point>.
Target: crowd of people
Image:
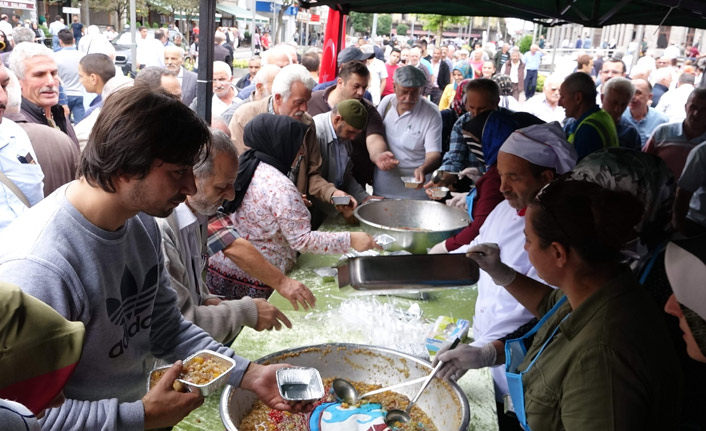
<point>163,236</point>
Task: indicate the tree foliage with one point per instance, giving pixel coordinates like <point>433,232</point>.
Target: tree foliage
<point>402,29</point>
<point>525,43</point>
<point>361,22</point>
<point>384,24</point>
<point>120,7</point>
<point>173,7</point>
<point>437,23</point>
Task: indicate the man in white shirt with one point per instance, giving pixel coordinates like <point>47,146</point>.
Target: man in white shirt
<point>223,89</point>
<point>673,102</point>
<point>173,61</point>
<point>378,74</point>
<point>546,105</point>
<point>5,25</point>
<point>54,28</point>
<point>150,52</point>
<point>413,129</point>
<point>22,185</point>
<point>528,160</point>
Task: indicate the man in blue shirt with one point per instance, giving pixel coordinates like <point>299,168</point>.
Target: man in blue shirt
<point>532,59</point>
<point>640,114</point>
<point>77,29</point>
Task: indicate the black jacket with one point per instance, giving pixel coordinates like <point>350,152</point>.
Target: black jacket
<point>444,75</point>
<point>35,114</point>
<point>221,53</point>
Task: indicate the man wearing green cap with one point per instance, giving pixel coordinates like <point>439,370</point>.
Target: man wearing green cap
<point>335,131</point>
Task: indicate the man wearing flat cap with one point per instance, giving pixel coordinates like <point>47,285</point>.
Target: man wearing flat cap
<point>335,130</point>
<point>528,160</point>
<point>413,130</point>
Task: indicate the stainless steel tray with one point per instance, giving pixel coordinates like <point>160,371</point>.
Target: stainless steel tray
<point>407,273</point>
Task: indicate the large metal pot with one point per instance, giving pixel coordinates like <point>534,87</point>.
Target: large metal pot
<point>416,225</point>
<point>443,401</point>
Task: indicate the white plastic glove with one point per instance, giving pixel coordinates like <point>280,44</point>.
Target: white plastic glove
<point>487,256</point>
<point>458,200</point>
<point>473,173</point>
<point>439,248</point>
<point>463,358</point>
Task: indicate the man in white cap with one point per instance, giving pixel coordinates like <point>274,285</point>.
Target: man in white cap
<point>528,160</point>
<point>413,129</point>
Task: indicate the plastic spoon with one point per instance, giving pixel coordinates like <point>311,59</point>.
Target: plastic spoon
<point>396,416</point>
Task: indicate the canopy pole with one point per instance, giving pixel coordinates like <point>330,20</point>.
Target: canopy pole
<point>252,30</point>
<point>133,36</point>
<point>341,15</point>
<point>636,54</point>
<point>555,46</point>
<point>204,87</point>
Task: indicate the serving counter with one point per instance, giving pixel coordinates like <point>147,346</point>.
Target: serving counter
<point>344,315</point>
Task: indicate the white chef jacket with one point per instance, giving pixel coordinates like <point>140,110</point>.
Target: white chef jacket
<point>497,312</point>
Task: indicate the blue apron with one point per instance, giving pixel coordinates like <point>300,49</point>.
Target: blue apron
<point>515,352</point>
<point>469,201</point>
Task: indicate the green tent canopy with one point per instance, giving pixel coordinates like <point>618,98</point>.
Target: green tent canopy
<point>590,13</point>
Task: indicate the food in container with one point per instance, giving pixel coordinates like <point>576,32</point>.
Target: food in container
<point>338,414</point>
<point>341,200</point>
<point>300,384</point>
<point>410,182</point>
<point>204,372</point>
<point>439,192</point>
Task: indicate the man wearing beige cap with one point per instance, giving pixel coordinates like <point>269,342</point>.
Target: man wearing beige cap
<point>413,130</point>
<point>335,130</point>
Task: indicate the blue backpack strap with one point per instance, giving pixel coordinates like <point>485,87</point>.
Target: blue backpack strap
<point>646,271</point>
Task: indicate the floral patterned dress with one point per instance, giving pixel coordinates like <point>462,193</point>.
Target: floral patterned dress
<point>275,220</point>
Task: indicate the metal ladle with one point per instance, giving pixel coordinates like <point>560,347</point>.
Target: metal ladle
<point>438,174</point>
<point>347,393</point>
<point>397,416</point>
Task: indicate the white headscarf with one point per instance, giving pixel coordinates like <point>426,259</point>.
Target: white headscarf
<point>544,145</point>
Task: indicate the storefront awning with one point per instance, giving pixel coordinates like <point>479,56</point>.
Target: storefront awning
<point>238,12</point>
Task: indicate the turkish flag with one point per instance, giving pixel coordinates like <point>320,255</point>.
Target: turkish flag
<point>329,68</point>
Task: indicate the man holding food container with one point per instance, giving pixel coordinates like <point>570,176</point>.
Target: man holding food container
<point>335,131</point>
<point>92,251</point>
<point>413,130</point>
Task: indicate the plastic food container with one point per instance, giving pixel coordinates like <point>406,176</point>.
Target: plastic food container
<point>410,182</point>
<point>327,274</point>
<point>384,240</point>
<point>300,384</point>
<point>204,389</point>
<point>439,192</point>
<point>341,200</point>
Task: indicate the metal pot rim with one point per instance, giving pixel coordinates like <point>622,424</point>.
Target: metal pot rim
<point>225,396</point>
<point>396,229</point>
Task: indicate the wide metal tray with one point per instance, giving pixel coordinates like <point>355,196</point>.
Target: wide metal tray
<point>407,273</point>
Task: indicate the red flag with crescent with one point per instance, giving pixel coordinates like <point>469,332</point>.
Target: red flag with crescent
<point>328,69</point>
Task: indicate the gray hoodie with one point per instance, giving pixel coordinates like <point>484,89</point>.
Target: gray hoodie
<point>115,283</point>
